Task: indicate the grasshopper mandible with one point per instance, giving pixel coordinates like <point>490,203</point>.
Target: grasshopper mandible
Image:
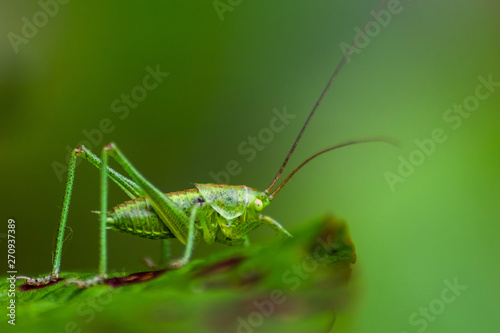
<point>212,212</point>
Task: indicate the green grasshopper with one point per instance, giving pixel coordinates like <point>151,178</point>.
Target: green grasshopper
<point>212,212</point>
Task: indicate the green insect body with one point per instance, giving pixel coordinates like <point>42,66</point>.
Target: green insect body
<point>137,217</point>
<point>228,211</point>
<point>212,212</point>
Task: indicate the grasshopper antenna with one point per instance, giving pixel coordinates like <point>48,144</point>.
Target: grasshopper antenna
<point>349,143</point>
<point>318,102</point>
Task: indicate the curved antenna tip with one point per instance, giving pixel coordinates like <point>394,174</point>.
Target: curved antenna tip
<point>384,139</point>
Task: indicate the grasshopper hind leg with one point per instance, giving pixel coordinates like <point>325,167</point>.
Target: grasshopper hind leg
<point>127,185</point>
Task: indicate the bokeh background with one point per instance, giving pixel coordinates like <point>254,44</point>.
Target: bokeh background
<point>226,77</point>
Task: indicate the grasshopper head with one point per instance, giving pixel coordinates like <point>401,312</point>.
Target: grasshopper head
<point>239,207</point>
<point>257,201</point>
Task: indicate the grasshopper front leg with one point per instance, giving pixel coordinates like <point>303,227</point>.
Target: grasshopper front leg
<point>275,225</point>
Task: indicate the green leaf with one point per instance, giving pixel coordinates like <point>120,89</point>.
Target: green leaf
<point>285,286</point>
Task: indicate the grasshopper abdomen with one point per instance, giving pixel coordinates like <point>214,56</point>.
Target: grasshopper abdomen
<point>137,217</point>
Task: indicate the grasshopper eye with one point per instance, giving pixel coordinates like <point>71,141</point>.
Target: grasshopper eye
<point>258,205</point>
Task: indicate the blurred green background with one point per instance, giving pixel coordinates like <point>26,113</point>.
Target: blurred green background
<point>226,77</point>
